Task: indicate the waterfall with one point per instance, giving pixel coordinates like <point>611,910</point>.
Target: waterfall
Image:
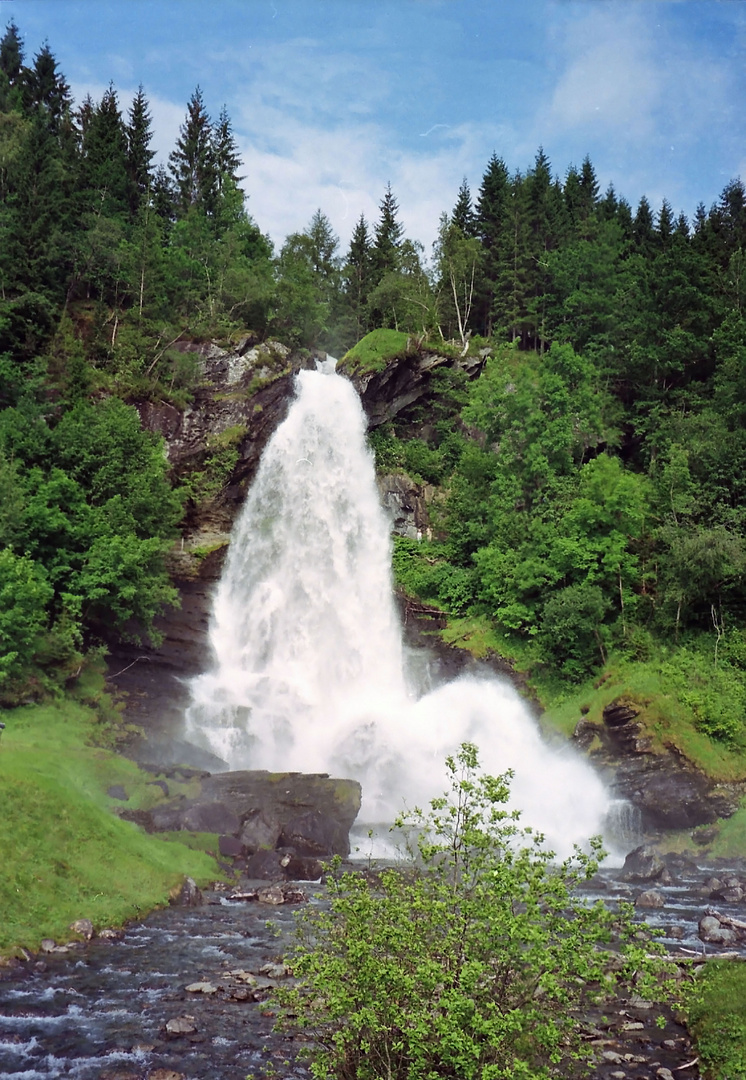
<point>309,672</point>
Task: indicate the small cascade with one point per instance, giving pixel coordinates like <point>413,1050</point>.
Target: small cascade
<point>308,670</point>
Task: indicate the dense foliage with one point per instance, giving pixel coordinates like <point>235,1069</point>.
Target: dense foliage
<point>470,961</point>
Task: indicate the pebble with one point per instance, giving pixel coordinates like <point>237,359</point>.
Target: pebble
<point>665,1074</point>
<point>619,1076</point>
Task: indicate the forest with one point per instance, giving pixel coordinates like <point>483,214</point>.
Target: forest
<point>589,483</point>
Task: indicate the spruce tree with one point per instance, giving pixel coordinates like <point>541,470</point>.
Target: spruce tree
<point>358,275</point>
<point>225,152</point>
<point>47,91</point>
<point>11,53</point>
<point>104,172</point>
<point>388,236</point>
<point>463,216</point>
<point>192,163</point>
<point>492,227</point>
<point>139,154</point>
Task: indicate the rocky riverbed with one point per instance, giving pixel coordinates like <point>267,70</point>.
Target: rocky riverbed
<point>184,994</point>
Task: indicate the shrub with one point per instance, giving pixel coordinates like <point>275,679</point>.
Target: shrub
<point>470,961</point>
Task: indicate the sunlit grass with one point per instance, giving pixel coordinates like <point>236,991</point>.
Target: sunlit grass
<point>64,854</point>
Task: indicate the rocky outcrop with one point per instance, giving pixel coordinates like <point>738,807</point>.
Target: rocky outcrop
<point>668,790</point>
<point>242,393</point>
<point>290,816</point>
<point>404,381</point>
<point>407,504</point>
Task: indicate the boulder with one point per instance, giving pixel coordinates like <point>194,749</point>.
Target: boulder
<point>230,847</point>
<point>642,864</point>
<point>260,830</point>
<point>317,834</point>
<point>84,927</point>
<point>312,813</point>
<point>189,894</point>
<point>713,932</point>
<point>268,865</point>
<point>651,898</point>
<point>213,817</point>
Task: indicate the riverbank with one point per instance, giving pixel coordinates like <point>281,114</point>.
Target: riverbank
<point>65,854</point>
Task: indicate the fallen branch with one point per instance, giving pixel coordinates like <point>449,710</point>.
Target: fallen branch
<point>129,666</point>
<point>687,1066</point>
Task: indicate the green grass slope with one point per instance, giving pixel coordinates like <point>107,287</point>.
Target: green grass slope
<point>64,854</point>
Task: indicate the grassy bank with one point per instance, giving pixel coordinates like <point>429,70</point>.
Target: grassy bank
<point>65,855</point>
<point>717,1019</point>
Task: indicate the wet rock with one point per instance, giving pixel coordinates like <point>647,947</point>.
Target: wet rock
<point>317,834</point>
<point>109,933</point>
<point>664,1074</point>
<point>642,864</point>
<point>119,1074</point>
<point>275,971</point>
<point>231,847</point>
<point>675,933</point>
<point>304,868</point>
<point>713,932</point>
<point>260,830</point>
<point>117,791</point>
<point>273,894</point>
<point>651,898</point>
<point>201,988</point>
<point>214,817</point>
<point>48,945</point>
<point>667,789</point>
<point>268,865</point>
<point>165,1074</point>
<point>181,1025</point>
<point>84,927</point>
<point>585,732</point>
<point>189,894</point>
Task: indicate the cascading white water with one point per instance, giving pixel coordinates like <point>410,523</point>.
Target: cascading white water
<point>309,670</point>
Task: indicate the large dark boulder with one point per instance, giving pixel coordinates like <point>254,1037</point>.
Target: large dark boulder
<point>304,816</point>
<point>315,833</point>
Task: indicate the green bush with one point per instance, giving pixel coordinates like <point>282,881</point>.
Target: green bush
<point>716,1013</point>
<point>469,961</point>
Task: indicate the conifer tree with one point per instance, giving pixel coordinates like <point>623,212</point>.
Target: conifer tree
<point>642,227</point>
<point>493,229</point>
<point>225,152</point>
<point>463,216</point>
<point>11,53</point>
<point>47,91</point>
<point>388,236</point>
<point>665,226</point>
<point>105,158</point>
<point>358,275</point>
<point>139,154</point>
<point>192,163</point>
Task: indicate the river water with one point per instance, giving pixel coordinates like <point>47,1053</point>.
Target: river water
<point>99,1012</point>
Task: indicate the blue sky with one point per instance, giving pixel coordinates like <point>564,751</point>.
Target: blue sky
<point>332,99</point>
